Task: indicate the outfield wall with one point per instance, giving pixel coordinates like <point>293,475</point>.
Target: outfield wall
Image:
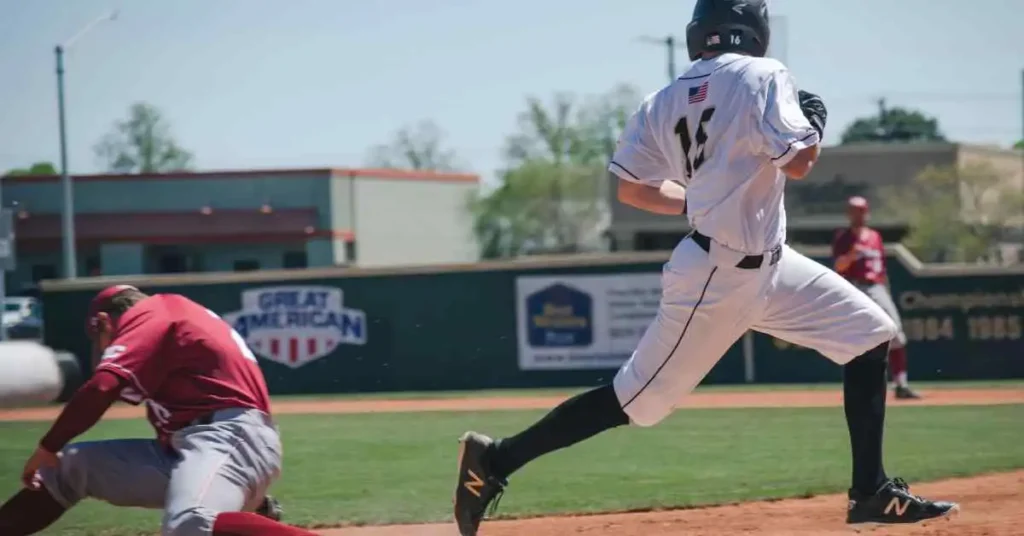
<point>431,328</point>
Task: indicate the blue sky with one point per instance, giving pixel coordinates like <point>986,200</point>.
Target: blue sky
<point>270,83</point>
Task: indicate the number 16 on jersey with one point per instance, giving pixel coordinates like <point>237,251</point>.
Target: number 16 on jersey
<point>694,143</point>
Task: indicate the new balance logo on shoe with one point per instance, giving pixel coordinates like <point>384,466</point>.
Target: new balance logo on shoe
<point>475,485</point>
<point>896,505</point>
<point>893,503</point>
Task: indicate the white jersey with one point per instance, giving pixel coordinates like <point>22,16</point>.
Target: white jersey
<point>723,129</point>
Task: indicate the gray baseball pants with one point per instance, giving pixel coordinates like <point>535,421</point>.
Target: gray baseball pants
<point>224,466</point>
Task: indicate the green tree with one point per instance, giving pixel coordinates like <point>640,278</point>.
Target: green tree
<point>957,214</point>
<point>142,143</point>
<point>39,168</point>
<point>552,195</point>
<point>894,125</point>
<point>418,147</point>
<point>1019,145</point>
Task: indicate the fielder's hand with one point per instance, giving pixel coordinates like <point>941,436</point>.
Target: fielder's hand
<point>814,110</point>
<point>40,458</point>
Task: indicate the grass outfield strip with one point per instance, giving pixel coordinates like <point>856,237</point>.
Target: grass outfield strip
<point>566,391</point>
<point>388,468</point>
<point>558,391</point>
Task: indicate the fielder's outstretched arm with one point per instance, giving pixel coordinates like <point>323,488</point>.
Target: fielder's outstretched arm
<point>83,411</point>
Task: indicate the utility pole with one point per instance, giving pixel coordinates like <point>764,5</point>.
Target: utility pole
<point>671,44</point>
<point>883,127</point>
<point>68,211</point>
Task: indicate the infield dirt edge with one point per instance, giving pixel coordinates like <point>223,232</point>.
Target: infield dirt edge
<point>705,400</point>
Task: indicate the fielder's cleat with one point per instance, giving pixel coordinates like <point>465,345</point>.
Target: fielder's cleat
<point>906,393</point>
<point>270,508</point>
<point>476,487</point>
<point>893,503</point>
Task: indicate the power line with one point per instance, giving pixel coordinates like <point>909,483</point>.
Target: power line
<point>913,99</point>
<point>950,96</point>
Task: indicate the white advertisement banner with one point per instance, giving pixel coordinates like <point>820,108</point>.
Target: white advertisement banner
<point>583,322</point>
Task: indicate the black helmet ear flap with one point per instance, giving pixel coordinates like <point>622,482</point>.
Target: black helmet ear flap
<point>694,38</point>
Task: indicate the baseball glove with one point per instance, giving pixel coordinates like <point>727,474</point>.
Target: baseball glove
<point>814,110</point>
<point>270,508</point>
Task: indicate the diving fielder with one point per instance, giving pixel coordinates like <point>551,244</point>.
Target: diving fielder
<point>216,451</point>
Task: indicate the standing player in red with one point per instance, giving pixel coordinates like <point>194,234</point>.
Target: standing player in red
<point>860,258</point>
<point>217,449</point>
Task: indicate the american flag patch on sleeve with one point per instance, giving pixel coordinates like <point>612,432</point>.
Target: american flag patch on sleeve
<point>699,93</point>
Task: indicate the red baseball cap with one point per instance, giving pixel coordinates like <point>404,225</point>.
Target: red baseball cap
<point>858,202</point>
<point>101,301</point>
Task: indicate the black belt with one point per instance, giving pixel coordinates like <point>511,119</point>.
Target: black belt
<point>750,262</point>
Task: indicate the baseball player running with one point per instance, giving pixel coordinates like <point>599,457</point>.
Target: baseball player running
<point>730,130</point>
<point>859,256</point>
<point>217,449</point>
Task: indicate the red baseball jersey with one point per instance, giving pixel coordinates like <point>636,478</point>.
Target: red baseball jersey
<point>183,361</point>
<point>869,266</point>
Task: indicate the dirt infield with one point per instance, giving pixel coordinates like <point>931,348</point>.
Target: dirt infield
<point>990,507</point>
<point>991,504</point>
<point>706,399</point>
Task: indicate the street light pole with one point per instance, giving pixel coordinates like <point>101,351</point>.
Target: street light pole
<point>68,212</point>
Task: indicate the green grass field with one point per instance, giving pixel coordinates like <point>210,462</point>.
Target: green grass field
<point>559,392</point>
<point>718,388</point>
<point>388,468</point>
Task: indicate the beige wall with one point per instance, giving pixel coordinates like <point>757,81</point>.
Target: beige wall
<point>863,169</point>
<point>1009,165</point>
<point>401,222</point>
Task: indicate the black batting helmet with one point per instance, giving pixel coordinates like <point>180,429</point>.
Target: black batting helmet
<point>728,26</point>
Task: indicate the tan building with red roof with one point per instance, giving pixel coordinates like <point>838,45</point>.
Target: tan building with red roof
<point>242,220</point>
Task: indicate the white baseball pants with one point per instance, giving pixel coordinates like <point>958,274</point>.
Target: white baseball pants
<point>707,304</point>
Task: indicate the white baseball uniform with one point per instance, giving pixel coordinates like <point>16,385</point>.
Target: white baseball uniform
<point>723,130</point>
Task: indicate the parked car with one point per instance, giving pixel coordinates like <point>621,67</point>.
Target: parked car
<point>22,318</point>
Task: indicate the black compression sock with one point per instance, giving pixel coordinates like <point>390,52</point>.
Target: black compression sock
<point>581,417</point>
<point>29,512</point>
<point>864,390</point>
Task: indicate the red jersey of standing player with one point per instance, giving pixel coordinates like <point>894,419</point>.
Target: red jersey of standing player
<point>860,258</point>
<point>859,253</point>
